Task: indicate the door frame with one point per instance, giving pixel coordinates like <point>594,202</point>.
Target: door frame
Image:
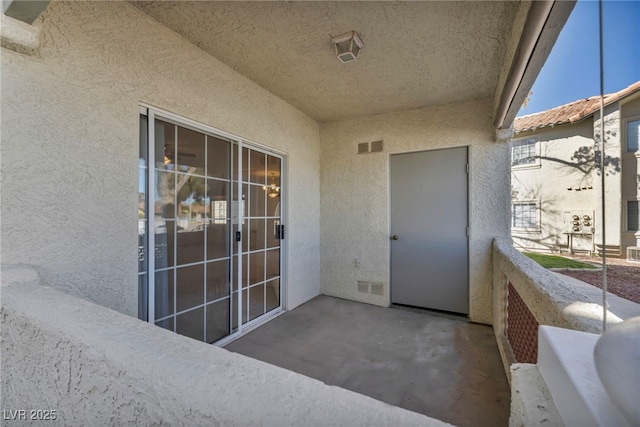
<point>152,113</point>
<point>468,231</point>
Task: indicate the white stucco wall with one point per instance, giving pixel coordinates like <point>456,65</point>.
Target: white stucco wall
<point>566,160</point>
<point>613,179</point>
<point>70,146</point>
<point>355,195</point>
<point>630,109</point>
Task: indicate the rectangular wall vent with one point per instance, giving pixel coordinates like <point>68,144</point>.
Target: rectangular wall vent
<point>376,146</point>
<point>363,147</point>
<point>363,287</point>
<point>370,288</point>
<point>377,289</point>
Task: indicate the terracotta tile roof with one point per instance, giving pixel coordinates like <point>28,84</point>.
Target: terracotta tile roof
<point>569,113</point>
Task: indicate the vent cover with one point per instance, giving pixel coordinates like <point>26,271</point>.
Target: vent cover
<point>373,288</point>
<point>363,147</point>
<point>363,287</point>
<point>377,289</point>
<point>376,146</point>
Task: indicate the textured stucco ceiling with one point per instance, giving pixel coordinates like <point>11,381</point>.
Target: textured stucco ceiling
<point>415,54</point>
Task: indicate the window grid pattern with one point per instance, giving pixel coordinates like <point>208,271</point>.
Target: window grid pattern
<point>524,215</point>
<point>523,152</point>
<point>197,188</point>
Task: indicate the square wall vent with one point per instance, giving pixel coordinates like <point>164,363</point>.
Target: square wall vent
<point>363,147</point>
<point>376,146</point>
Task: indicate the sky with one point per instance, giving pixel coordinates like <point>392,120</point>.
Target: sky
<point>572,70</point>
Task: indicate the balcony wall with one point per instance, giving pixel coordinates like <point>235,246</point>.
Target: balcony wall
<point>526,295</point>
<point>95,366</point>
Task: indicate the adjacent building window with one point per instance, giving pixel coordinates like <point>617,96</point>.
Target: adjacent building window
<point>524,215</point>
<point>524,152</point>
<point>633,136</point>
<point>633,215</point>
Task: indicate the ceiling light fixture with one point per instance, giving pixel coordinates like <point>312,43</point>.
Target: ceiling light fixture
<point>272,190</point>
<point>347,46</point>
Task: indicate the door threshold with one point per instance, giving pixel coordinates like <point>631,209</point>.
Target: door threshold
<point>249,328</point>
<point>432,311</point>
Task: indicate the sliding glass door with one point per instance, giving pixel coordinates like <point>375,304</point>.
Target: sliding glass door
<point>210,208</point>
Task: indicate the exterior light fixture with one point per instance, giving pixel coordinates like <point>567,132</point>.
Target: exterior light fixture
<point>347,46</point>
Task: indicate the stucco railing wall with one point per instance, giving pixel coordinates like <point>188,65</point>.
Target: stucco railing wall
<point>542,295</point>
<point>95,366</point>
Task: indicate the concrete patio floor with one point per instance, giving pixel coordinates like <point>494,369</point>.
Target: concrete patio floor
<point>435,364</point>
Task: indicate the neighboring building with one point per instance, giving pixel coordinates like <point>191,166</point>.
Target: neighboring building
<point>555,178</point>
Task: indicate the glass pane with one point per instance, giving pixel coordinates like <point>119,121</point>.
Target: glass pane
<point>217,240</point>
<point>164,194</point>
<point>190,151</point>
<point>190,245</point>
<point>217,320</point>
<point>191,201</point>
<point>258,167</point>
<point>256,301</point>
<point>273,263</point>
<point>273,170</point>
<point>142,192</point>
<point>272,230</point>
<point>191,324</point>
<point>217,280</point>
<point>165,145</point>
<point>257,196</point>
<point>245,306</point>
<point>633,136</point>
<point>256,229</point>
<point>144,139</point>
<point>218,198</point>
<point>190,287</point>
<point>218,157</point>
<point>256,267</point>
<point>633,216</point>
<point>273,294</point>
<point>234,311</point>
<point>164,293</point>
<point>143,297</point>
<point>273,205</point>
<point>166,323</point>
<point>164,239</point>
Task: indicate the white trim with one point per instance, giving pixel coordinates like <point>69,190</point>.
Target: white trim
<point>151,219</point>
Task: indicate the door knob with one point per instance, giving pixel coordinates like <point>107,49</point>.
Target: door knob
<point>395,237</point>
